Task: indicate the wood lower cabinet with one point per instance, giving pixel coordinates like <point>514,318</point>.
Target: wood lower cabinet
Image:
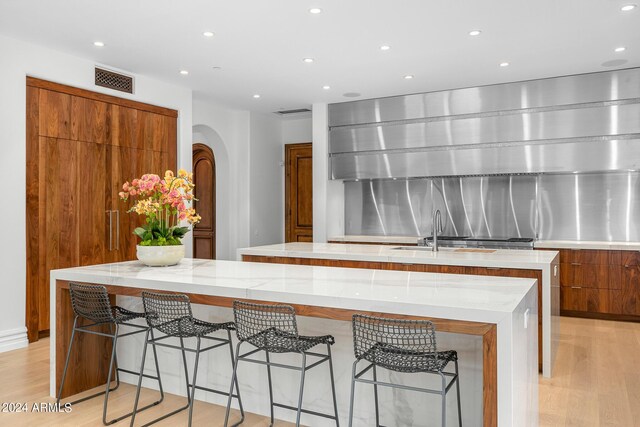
<point>600,283</point>
<point>81,147</point>
<point>422,268</point>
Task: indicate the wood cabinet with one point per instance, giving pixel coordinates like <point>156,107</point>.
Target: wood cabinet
<point>81,147</point>
<point>600,283</point>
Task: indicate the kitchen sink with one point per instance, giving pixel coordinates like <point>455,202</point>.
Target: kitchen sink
<point>413,248</point>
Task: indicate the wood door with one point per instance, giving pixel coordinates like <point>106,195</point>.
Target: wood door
<point>298,193</point>
<point>60,231</point>
<point>204,177</point>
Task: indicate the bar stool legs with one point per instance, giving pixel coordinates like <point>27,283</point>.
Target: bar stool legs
<point>191,385</point>
<point>113,368</point>
<point>270,387</point>
<point>303,368</point>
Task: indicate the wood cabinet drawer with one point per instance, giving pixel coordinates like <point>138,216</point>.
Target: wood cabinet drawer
<point>588,276</point>
<point>630,258</point>
<point>591,300</point>
<point>589,256</point>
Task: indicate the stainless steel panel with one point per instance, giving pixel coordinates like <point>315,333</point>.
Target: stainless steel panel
<point>574,123</point>
<point>599,155</point>
<point>584,88</point>
<point>600,207</point>
<point>496,206</point>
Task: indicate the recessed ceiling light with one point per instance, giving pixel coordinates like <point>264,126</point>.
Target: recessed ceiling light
<point>408,77</point>
<point>385,47</point>
<point>326,87</point>
<point>98,44</point>
<point>474,32</point>
<point>620,49</point>
<point>628,7</point>
<point>315,10</point>
<point>207,34</point>
<point>184,72</point>
<point>504,64</point>
<point>256,96</point>
<point>216,68</point>
<point>308,60</point>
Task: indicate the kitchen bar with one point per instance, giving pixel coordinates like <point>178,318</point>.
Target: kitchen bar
<point>496,310</point>
<point>543,265</point>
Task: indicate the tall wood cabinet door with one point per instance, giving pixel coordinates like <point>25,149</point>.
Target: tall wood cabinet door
<point>631,289</point>
<point>90,120</point>
<point>54,114</point>
<point>123,164</point>
<point>298,193</point>
<point>93,212</point>
<point>59,195</point>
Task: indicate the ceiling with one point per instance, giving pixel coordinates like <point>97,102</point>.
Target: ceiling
<point>260,45</point>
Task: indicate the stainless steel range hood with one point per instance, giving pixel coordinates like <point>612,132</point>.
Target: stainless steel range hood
<point>582,123</point>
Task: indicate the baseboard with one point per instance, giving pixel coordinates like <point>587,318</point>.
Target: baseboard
<point>13,339</point>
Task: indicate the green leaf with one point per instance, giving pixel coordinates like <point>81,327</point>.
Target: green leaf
<point>140,232</point>
<point>179,232</point>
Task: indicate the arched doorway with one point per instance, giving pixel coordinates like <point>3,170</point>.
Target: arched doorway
<point>204,178</point>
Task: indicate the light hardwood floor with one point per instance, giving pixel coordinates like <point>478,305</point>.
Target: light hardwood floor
<point>596,380</point>
<point>596,383</point>
<point>24,377</point>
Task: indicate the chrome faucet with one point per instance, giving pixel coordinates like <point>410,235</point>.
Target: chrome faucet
<point>437,228</point>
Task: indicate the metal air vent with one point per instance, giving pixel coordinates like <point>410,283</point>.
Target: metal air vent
<point>115,81</point>
<point>296,111</point>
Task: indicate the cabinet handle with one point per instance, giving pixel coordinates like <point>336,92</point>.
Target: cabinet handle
<point>576,287</point>
<point>576,263</point>
<point>117,230</point>
<point>110,230</point>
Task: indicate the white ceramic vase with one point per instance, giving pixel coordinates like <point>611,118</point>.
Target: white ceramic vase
<point>160,256</point>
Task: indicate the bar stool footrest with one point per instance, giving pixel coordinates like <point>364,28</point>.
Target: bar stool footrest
<point>305,411</point>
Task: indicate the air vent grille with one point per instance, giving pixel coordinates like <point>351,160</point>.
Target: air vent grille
<point>295,111</point>
<point>115,81</point>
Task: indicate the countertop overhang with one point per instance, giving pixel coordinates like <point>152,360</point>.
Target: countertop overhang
<point>460,297</point>
<point>498,258</point>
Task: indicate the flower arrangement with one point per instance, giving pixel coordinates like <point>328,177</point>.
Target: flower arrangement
<point>166,203</point>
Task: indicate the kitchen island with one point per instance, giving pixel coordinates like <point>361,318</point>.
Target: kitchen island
<point>541,265</point>
<point>487,320</point>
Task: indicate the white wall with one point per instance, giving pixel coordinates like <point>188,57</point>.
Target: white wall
<point>249,152</point>
<point>328,195</point>
<point>20,59</point>
<point>296,129</point>
<point>266,168</point>
<point>231,151</point>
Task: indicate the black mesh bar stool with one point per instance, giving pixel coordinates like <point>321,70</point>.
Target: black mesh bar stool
<point>273,329</point>
<point>171,315</point>
<point>402,346</point>
<point>91,302</point>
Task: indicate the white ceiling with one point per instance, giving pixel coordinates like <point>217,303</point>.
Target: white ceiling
<point>260,44</point>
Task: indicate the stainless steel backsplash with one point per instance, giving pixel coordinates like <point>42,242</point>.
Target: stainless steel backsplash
<point>598,206</point>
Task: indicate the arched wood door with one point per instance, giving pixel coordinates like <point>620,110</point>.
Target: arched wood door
<point>204,177</point>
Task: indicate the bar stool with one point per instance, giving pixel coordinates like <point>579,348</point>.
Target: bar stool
<point>91,302</point>
<point>273,329</point>
<point>402,346</point>
<point>171,315</point>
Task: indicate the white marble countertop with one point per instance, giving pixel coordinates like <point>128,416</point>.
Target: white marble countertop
<point>498,258</point>
<point>552,244</point>
<point>460,297</point>
<point>572,244</point>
